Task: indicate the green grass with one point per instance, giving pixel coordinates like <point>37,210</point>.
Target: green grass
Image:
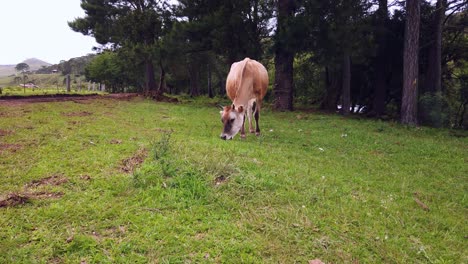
<point>20,91</point>
<point>312,186</point>
<point>47,84</point>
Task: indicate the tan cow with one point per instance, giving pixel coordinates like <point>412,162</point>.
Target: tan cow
<point>246,85</point>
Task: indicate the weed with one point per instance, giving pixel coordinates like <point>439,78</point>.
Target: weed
<point>161,147</point>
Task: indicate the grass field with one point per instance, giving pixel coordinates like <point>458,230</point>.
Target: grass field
<point>108,181</point>
<point>47,84</point>
<point>19,91</point>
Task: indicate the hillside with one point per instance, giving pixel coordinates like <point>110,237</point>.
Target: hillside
<point>34,64</point>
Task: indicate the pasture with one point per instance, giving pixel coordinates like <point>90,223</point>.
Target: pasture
<point>47,84</point>
<point>117,181</point>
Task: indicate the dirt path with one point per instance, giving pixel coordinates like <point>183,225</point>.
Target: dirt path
<point>18,100</point>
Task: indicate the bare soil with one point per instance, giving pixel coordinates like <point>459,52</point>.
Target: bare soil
<point>5,132</point>
<point>130,164</point>
<point>30,192</point>
<point>78,98</point>
<point>54,180</point>
<point>9,147</point>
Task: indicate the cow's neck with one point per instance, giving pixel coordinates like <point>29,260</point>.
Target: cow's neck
<point>243,97</point>
<point>238,103</point>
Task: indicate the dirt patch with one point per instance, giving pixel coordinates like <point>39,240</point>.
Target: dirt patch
<point>28,193</point>
<point>11,114</point>
<point>116,141</point>
<point>45,195</point>
<point>164,98</point>
<point>73,122</point>
<point>10,147</point>
<point>55,260</point>
<point>130,164</point>
<point>83,113</point>
<point>220,180</point>
<point>18,199</point>
<point>85,177</point>
<point>5,132</point>
<point>54,180</point>
<point>77,98</point>
<point>14,199</point>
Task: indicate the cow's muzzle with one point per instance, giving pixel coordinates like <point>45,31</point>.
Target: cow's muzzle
<point>224,137</point>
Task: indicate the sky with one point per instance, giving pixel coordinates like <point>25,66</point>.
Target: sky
<point>39,29</point>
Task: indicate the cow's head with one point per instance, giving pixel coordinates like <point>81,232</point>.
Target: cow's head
<point>232,119</point>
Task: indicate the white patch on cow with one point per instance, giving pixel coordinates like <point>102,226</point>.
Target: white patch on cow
<point>236,124</point>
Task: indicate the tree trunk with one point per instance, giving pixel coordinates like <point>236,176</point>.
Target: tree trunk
<point>221,80</point>
<point>283,81</point>
<point>346,88</point>
<point>210,88</point>
<point>162,80</point>
<point>332,82</point>
<point>380,93</point>
<point>410,64</point>
<point>284,58</point>
<point>193,74</point>
<point>68,83</point>
<point>150,82</point>
<point>434,73</point>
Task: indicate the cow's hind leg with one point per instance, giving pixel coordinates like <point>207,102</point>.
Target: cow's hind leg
<point>251,110</point>
<point>257,117</point>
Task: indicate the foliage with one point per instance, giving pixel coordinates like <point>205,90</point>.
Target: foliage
<point>234,30</point>
<point>136,25</point>
<point>22,67</point>
<point>187,48</point>
<point>105,68</point>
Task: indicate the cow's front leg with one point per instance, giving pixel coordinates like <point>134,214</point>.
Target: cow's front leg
<point>243,128</point>
<point>251,127</point>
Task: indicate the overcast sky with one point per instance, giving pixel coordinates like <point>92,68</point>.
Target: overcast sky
<point>39,29</point>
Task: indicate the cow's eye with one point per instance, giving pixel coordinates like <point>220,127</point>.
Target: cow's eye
<point>232,119</point>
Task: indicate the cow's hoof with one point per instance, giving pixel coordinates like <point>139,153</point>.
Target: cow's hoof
<point>243,136</point>
<point>257,134</point>
<point>252,131</point>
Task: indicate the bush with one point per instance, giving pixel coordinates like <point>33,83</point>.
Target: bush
<point>433,110</point>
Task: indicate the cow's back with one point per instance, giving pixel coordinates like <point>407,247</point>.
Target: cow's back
<point>247,74</point>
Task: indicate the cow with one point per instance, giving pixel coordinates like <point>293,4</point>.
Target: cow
<point>246,85</point>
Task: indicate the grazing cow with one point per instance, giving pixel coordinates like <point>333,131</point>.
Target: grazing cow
<point>246,85</point>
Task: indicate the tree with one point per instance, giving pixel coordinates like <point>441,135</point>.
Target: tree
<point>233,29</point>
<point>434,81</point>
<point>346,88</point>
<point>126,23</point>
<point>380,91</point>
<point>23,68</point>
<point>410,64</point>
<point>284,56</point>
<point>213,34</point>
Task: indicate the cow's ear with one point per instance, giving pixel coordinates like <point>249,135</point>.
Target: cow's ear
<point>221,112</point>
<point>241,108</point>
<point>233,107</point>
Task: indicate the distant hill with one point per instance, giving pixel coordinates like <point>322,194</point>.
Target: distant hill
<point>34,64</point>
